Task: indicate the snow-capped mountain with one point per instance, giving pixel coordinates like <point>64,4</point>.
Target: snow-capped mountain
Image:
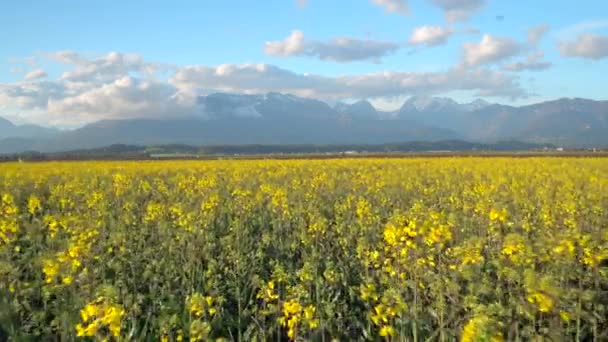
<point>275,118</point>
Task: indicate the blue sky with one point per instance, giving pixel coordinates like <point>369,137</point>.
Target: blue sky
<point>343,50</point>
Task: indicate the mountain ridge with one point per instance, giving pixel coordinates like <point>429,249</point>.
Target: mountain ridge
<point>275,118</point>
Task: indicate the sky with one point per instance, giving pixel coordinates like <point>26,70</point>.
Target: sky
<point>66,63</point>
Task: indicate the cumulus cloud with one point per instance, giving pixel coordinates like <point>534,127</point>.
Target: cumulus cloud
<point>107,67</point>
<point>459,10</point>
<point>536,33</point>
<point>586,45</point>
<point>393,6</point>
<point>67,57</point>
<point>91,89</point>
<point>31,95</point>
<point>120,92</point>
<point>126,97</point>
<point>572,31</point>
<point>35,75</point>
<point>532,63</point>
<point>290,46</point>
<point>430,35</point>
<point>342,49</point>
<point>262,78</point>
<point>490,50</point>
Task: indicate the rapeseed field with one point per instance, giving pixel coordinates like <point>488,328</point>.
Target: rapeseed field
<point>437,249</point>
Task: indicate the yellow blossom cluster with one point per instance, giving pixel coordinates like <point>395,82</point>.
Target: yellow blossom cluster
<point>294,315</point>
<point>100,318</point>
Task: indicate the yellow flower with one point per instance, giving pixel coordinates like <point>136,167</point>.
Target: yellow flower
<point>386,331</point>
<point>154,212</point>
<point>368,292</point>
<point>498,215</point>
<point>480,328</point>
<point>363,209</point>
<point>50,269</point>
<point>196,304</point>
<point>268,293</point>
<point>439,235</point>
<point>67,280</point>
<point>291,307</point>
<point>199,331</point>
<point>89,330</point>
<point>33,205</point>
<point>565,247</point>
<point>294,313</point>
<point>542,301</point>
<point>97,314</point>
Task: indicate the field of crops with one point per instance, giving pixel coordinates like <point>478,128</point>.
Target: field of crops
<point>470,249</point>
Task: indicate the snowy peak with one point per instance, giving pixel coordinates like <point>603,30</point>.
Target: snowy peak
<point>424,104</point>
<point>270,105</point>
<point>223,105</point>
<point>476,105</point>
<point>427,103</point>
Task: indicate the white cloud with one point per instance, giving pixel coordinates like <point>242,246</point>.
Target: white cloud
<point>302,3</point>
<point>106,67</point>
<point>290,46</point>
<point>536,33</point>
<point>393,6</point>
<point>347,49</point>
<point>572,31</point>
<point>67,57</point>
<point>459,10</point>
<point>532,63</point>
<point>30,95</point>
<point>491,49</point>
<point>586,45</point>
<point>126,97</point>
<point>430,35</point>
<point>342,49</point>
<point>128,91</point>
<point>261,78</point>
<point>35,75</point>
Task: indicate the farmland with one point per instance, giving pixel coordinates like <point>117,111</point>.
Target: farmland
<point>470,249</point>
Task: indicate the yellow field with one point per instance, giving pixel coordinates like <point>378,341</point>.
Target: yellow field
<point>470,249</point>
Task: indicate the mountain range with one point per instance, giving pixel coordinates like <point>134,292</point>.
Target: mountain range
<point>283,119</point>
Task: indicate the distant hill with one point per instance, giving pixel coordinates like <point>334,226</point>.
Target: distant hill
<point>282,119</point>
<point>569,122</point>
<point>10,130</point>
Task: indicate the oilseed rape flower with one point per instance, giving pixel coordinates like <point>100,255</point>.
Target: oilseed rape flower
<point>100,314</point>
<point>8,219</point>
<point>200,305</point>
<point>33,205</point>
<point>268,293</point>
<point>480,328</point>
<point>542,301</point>
<point>498,215</point>
<point>199,330</point>
<point>294,315</point>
